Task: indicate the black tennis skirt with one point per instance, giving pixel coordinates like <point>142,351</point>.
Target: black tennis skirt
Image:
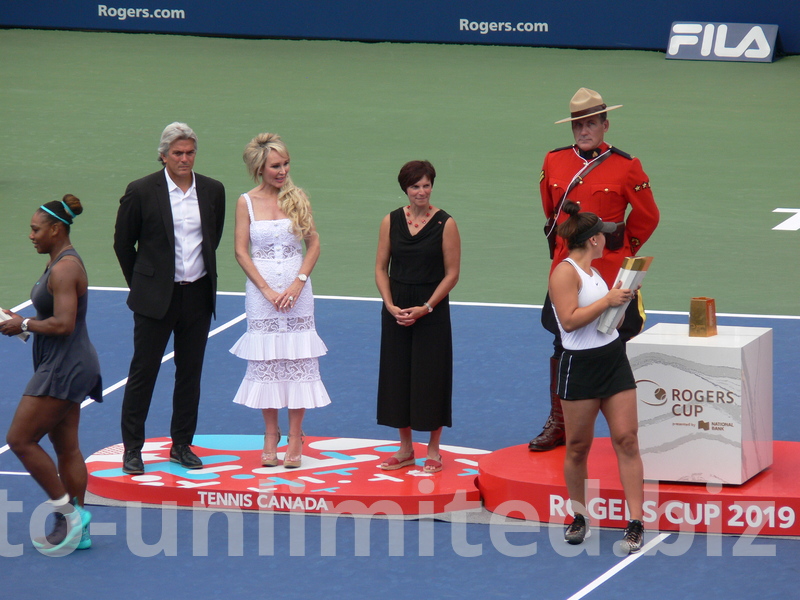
<point>594,373</point>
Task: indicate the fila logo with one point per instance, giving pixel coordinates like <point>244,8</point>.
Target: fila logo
<point>722,41</point>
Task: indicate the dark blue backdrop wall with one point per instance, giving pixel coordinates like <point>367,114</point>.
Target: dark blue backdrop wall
<point>557,23</point>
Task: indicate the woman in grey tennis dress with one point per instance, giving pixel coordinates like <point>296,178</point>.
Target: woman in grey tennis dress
<point>67,371</point>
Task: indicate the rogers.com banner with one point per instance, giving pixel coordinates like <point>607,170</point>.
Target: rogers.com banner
<point>628,24</point>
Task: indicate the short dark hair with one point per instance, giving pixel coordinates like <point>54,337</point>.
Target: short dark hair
<point>413,171</point>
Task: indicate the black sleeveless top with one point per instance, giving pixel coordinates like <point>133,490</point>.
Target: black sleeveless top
<point>416,259</point>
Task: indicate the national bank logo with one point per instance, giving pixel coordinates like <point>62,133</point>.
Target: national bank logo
<point>746,42</point>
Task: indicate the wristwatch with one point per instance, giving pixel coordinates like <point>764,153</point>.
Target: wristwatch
<point>302,277</point>
<point>24,324</point>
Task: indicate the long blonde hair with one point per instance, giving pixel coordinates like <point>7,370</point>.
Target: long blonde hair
<point>292,200</point>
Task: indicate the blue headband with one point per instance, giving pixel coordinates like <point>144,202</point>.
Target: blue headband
<point>67,208</point>
<point>47,210</point>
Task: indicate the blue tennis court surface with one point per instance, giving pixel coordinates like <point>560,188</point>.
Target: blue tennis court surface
<point>499,400</point>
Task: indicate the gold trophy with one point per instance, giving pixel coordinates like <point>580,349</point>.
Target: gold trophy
<point>702,317</point>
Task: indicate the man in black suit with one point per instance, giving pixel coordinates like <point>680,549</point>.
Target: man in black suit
<point>169,225</point>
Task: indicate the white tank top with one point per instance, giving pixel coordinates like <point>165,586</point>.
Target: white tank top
<point>593,287</point>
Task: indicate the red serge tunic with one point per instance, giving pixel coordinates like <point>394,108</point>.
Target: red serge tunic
<point>607,191</point>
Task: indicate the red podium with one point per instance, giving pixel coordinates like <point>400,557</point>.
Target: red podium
<point>530,485</point>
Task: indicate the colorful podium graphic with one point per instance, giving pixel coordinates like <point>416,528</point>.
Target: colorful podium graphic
<point>338,475</point>
<point>342,476</point>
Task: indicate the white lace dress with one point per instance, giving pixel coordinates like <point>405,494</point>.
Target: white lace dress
<point>281,348</point>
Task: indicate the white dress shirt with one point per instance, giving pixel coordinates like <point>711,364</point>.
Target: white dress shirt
<point>189,265</point>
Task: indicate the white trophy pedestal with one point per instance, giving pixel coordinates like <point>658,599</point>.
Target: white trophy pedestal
<point>705,403</point>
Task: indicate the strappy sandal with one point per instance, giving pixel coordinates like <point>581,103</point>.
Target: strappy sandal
<point>270,459</point>
<point>294,463</point>
<point>432,465</point>
<point>398,462</point>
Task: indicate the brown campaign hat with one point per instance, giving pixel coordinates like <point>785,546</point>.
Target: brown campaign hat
<point>585,103</point>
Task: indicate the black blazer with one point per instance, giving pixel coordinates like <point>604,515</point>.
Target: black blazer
<point>144,240</point>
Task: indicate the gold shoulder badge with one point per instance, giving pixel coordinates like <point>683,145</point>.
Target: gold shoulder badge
<point>641,186</point>
<point>541,177</point>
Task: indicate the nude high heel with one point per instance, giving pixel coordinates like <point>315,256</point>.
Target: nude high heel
<point>295,461</point>
<point>270,459</point>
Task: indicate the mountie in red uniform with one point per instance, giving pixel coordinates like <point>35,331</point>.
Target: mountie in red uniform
<point>607,191</point>
<point>615,182</point>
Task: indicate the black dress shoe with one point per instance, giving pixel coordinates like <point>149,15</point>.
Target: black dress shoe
<point>183,455</point>
<point>132,462</point>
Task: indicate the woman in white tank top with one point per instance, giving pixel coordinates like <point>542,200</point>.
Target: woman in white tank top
<point>594,374</point>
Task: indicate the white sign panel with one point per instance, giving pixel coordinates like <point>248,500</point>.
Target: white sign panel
<point>705,404</point>
<point>747,42</point>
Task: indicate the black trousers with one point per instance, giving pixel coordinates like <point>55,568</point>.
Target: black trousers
<point>189,319</point>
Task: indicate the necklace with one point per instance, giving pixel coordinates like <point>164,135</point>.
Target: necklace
<point>421,221</point>
<point>64,249</point>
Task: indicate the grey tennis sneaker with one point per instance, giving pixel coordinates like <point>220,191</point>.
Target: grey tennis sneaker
<point>578,530</point>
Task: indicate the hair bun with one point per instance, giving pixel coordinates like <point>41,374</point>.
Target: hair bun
<point>571,208</point>
<point>74,204</point>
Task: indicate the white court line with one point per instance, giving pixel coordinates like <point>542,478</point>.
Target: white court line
<point>243,316</point>
<point>122,382</point>
<point>621,565</point>
<point>487,304</point>
<point>19,307</point>
<point>168,356</point>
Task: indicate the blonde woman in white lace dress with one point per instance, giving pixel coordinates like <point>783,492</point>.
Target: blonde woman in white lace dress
<point>281,345</point>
